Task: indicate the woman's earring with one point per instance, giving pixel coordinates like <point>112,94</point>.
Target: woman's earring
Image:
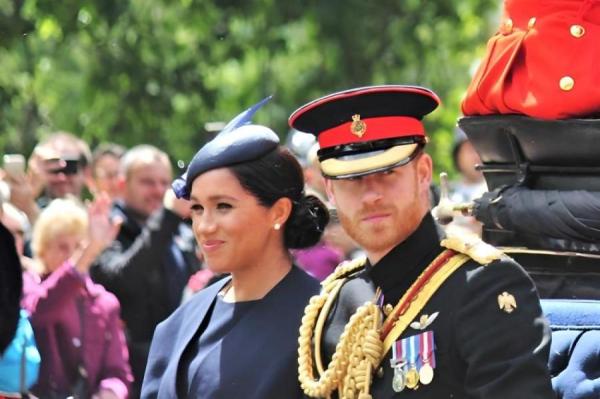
<point>277,226</point>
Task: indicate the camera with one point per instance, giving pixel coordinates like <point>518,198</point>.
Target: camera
<point>68,166</point>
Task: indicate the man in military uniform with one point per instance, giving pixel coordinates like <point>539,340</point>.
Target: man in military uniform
<point>423,316</point>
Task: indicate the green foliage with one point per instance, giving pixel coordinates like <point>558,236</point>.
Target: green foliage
<point>134,71</point>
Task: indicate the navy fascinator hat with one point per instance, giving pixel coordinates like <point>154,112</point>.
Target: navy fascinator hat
<point>239,141</point>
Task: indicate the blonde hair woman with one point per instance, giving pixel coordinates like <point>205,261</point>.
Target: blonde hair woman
<point>76,322</point>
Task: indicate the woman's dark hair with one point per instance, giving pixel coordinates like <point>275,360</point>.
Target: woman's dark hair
<point>276,175</point>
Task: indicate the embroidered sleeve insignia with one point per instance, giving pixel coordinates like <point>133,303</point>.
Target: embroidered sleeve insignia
<point>507,302</point>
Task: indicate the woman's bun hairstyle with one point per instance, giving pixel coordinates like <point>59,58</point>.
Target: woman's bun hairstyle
<point>278,175</point>
<point>306,223</point>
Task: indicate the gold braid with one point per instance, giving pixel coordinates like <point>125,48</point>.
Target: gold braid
<point>358,350</point>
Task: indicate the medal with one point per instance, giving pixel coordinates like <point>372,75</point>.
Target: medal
<point>399,381</point>
<point>426,374</point>
<point>412,375</point>
<point>398,363</point>
<point>412,378</point>
<point>413,361</point>
<point>427,357</point>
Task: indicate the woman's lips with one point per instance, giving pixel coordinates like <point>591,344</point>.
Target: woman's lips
<point>212,245</point>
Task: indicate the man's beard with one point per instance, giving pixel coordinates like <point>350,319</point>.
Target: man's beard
<point>386,235</point>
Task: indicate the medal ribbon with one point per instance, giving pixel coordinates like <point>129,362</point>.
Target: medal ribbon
<point>398,351</point>
<point>427,353</point>
<point>412,351</point>
<point>380,301</point>
<point>430,349</point>
<point>423,349</point>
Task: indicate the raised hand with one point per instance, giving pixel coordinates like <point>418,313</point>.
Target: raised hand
<point>22,194</point>
<point>102,228</point>
<point>102,231</point>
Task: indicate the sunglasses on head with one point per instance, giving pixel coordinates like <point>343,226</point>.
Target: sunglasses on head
<point>71,166</point>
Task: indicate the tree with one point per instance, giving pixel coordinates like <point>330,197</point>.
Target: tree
<point>157,71</point>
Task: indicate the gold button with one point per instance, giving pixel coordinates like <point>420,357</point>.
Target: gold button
<point>531,22</point>
<point>577,31</point>
<point>567,83</point>
<point>508,25</point>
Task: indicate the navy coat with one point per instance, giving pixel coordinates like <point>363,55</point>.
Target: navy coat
<point>255,359</point>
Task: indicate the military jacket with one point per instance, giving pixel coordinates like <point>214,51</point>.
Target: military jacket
<point>484,347</point>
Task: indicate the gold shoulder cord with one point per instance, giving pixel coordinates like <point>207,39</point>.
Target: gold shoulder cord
<point>360,348</point>
<point>357,352</point>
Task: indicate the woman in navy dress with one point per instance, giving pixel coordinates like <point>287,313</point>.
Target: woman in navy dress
<point>238,337</point>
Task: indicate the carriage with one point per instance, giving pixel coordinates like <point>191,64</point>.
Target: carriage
<point>543,209</point>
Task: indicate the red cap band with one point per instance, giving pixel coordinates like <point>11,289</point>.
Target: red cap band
<point>385,127</point>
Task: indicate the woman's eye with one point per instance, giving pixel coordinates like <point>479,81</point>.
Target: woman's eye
<point>196,208</point>
<point>223,206</point>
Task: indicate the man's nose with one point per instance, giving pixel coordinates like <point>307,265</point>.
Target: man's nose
<point>372,189</point>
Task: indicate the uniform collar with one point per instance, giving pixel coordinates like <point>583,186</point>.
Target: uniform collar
<point>400,267</point>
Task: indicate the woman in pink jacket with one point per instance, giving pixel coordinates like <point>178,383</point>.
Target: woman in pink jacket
<point>76,322</point>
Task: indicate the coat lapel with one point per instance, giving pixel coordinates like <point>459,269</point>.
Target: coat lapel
<point>258,326</point>
<point>192,319</point>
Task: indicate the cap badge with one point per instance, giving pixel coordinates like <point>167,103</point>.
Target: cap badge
<point>507,302</point>
<point>358,127</point>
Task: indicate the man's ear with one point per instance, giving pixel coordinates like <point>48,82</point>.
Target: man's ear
<point>329,191</point>
<point>424,170</point>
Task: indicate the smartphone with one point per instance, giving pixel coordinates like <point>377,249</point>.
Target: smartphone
<point>14,164</point>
